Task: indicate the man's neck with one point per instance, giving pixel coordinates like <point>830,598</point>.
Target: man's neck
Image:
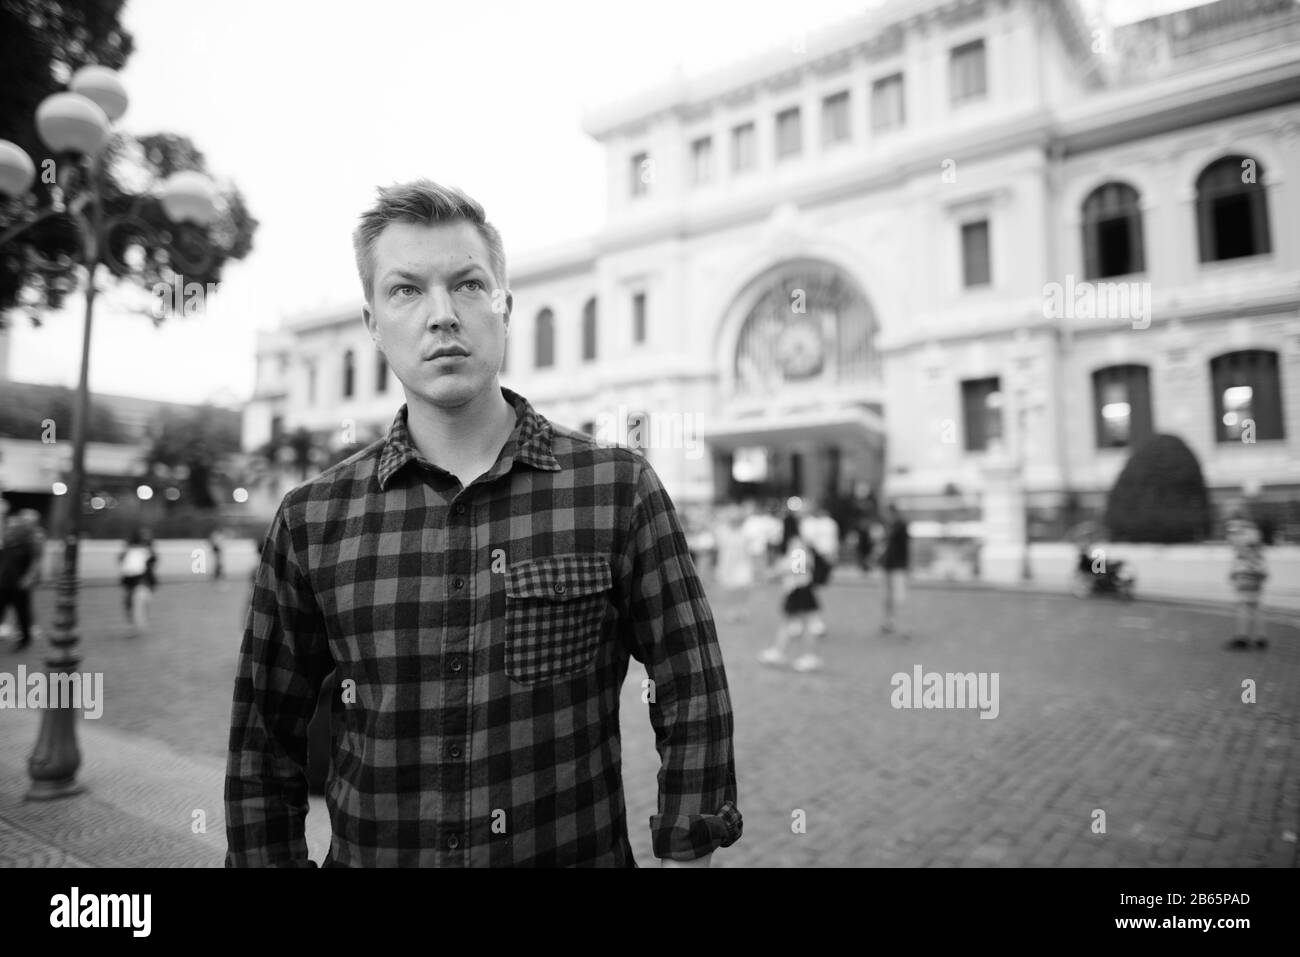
<point>462,440</point>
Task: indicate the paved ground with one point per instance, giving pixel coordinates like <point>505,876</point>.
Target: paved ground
<point>1134,710</point>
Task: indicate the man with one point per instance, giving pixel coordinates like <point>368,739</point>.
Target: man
<point>477,581</point>
<point>19,569</point>
<point>896,560</point>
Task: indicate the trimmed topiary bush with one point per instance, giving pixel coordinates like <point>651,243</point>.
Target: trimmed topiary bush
<point>1160,495</point>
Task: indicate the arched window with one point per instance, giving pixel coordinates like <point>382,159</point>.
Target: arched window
<point>1247,396</point>
<point>809,326</point>
<point>1232,209</point>
<point>544,339</point>
<point>1121,403</point>
<point>381,373</point>
<point>349,373</point>
<point>1112,232</point>
<point>589,330</point>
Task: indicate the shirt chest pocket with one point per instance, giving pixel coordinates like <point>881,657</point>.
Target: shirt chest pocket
<point>554,611</point>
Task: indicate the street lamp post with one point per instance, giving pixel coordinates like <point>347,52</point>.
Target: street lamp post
<point>77,126</point>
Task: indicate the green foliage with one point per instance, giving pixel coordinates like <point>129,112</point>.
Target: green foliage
<point>200,442</point>
<point>1160,495</point>
<point>43,43</point>
<point>24,409</point>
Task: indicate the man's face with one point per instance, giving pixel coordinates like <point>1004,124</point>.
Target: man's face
<point>432,311</point>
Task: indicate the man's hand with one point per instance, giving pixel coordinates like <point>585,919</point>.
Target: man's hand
<point>698,862</point>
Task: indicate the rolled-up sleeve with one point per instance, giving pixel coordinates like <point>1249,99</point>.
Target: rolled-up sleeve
<point>671,631</point>
<point>283,660</point>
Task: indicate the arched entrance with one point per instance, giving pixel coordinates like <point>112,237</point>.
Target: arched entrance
<point>800,409</point>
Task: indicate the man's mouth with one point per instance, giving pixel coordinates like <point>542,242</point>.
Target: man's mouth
<point>446,352</point>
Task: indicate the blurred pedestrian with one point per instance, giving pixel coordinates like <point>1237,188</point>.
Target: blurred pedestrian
<point>18,570</point>
<point>866,542</point>
<point>1248,571</point>
<point>734,567</point>
<point>757,529</point>
<point>136,564</point>
<point>32,520</point>
<point>6,631</point>
<point>214,543</point>
<point>821,534</point>
<point>895,560</point>
<point>795,572</point>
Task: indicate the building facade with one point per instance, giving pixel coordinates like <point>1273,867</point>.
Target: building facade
<point>955,252</point>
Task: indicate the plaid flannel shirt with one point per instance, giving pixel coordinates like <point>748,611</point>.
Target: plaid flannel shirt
<point>480,637</point>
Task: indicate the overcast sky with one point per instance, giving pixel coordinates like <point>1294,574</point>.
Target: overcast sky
<point>309,105</point>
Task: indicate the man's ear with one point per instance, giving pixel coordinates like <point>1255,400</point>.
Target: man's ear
<point>510,305</point>
<point>368,317</point>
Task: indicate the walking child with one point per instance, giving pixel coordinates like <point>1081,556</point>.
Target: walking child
<point>795,571</point>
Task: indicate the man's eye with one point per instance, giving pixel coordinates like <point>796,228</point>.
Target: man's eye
<point>404,291</point>
<point>474,285</point>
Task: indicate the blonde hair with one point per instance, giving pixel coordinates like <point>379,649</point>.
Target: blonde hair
<point>426,203</point>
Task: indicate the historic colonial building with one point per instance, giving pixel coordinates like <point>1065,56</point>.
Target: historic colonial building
<point>956,251</point>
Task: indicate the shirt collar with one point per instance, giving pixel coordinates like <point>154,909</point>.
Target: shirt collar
<point>529,442</point>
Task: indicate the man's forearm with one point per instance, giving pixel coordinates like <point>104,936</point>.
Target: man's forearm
<point>698,862</point>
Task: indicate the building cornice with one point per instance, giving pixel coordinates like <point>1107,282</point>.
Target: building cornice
<point>1172,103</point>
<point>1105,119</point>
<point>873,35</point>
<point>817,187</point>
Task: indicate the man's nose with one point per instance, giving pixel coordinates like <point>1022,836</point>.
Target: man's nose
<point>442,313</point>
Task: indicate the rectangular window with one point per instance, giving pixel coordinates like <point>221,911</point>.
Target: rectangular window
<point>744,148</point>
<point>887,103</point>
<point>966,72</point>
<point>981,401</point>
<point>638,317</point>
<point>1247,397</point>
<point>975,265</point>
<point>1116,414</point>
<point>639,170</point>
<point>1122,401</point>
<point>789,133</point>
<point>702,160</point>
<point>835,119</point>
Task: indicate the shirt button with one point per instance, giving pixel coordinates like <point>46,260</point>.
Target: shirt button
<point>455,751</point>
<point>453,842</point>
<point>456,664</point>
<point>559,588</point>
<point>460,508</point>
<point>458,583</point>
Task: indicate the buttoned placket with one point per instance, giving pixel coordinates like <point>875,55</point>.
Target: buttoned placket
<point>458,655</point>
<point>455,666</point>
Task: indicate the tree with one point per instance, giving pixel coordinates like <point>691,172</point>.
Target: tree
<point>25,409</point>
<point>301,448</point>
<point>196,443</point>
<point>45,41</point>
<point>1160,495</point>
<point>42,43</point>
